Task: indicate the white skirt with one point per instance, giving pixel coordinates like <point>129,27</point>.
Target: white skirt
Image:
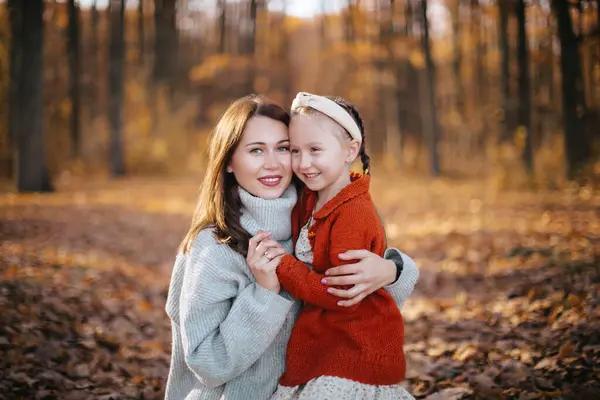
<point>334,388</point>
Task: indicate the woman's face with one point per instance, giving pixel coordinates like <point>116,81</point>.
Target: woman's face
<point>261,163</point>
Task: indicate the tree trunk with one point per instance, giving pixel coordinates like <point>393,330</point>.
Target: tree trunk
<point>222,25</point>
<point>94,71</point>
<point>166,40</point>
<point>74,76</point>
<point>432,141</point>
<point>32,174</point>
<point>115,86</point>
<point>576,146</point>
<point>524,86</point>
<point>141,32</point>
<point>15,10</point>
<point>457,59</point>
<point>507,128</point>
<point>476,26</point>
<point>250,47</point>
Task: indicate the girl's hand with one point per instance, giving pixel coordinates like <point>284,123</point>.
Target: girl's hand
<point>367,275</point>
<point>264,256</point>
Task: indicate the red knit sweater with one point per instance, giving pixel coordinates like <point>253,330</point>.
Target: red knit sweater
<point>363,342</point>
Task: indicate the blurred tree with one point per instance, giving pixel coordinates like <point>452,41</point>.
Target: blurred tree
<point>166,41</point>
<point>524,134</point>
<point>115,85</point>
<point>94,70</point>
<point>222,25</point>
<point>28,110</point>
<point>504,12</point>
<point>576,146</point>
<point>16,30</point>
<point>73,37</point>
<point>141,32</point>
<point>433,127</point>
<point>455,6</point>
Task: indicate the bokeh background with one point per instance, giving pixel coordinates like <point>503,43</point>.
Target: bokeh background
<point>482,121</point>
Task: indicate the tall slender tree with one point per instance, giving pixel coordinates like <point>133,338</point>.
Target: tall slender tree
<point>222,25</point>
<point>74,76</point>
<point>16,54</point>
<point>115,86</point>
<point>166,40</point>
<point>507,128</point>
<point>524,85</point>
<point>141,31</point>
<point>432,131</point>
<point>576,144</point>
<point>94,39</point>
<point>32,173</point>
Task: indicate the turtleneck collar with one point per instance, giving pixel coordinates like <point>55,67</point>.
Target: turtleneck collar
<point>273,216</point>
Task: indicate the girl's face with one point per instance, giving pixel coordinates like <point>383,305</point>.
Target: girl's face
<point>320,151</point>
<point>261,162</point>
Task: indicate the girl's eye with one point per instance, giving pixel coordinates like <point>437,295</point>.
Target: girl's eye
<point>294,151</point>
<point>315,149</point>
<point>256,151</point>
<point>284,148</point>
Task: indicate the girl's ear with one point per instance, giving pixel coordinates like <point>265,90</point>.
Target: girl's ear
<point>229,169</point>
<point>353,149</point>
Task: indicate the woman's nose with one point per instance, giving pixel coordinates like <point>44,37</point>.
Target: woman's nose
<point>271,160</point>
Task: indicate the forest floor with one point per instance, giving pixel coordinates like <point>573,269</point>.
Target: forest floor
<point>507,305</point>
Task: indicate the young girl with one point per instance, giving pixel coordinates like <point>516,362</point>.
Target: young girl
<point>335,352</point>
<point>230,326</point>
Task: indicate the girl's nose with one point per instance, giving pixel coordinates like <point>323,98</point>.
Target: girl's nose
<point>304,161</point>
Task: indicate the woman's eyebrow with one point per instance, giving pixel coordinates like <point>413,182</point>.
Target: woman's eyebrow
<point>264,144</point>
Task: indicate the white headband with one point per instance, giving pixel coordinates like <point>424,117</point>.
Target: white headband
<point>330,108</point>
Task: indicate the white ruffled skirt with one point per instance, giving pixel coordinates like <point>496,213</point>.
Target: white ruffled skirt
<point>334,388</point>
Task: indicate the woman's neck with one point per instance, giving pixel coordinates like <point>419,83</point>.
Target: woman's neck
<point>272,216</point>
<point>329,192</point>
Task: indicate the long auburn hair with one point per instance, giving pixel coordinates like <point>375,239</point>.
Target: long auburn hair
<point>219,205</point>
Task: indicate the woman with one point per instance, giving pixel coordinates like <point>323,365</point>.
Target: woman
<point>230,329</point>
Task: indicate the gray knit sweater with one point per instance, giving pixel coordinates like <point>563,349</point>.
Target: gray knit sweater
<point>229,333</point>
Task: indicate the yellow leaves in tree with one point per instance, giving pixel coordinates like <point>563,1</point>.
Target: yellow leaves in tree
<point>217,64</point>
<point>292,24</point>
<point>417,59</point>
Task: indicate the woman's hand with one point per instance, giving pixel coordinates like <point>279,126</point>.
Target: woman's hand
<point>264,256</point>
<point>367,275</point>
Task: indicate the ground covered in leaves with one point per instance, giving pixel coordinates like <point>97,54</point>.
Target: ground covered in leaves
<point>507,305</point>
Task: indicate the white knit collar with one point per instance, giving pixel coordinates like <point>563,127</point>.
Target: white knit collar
<point>274,216</point>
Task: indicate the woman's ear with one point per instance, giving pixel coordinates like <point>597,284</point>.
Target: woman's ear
<point>353,149</point>
<point>229,169</point>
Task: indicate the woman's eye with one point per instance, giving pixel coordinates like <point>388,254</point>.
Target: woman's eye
<point>284,148</point>
<point>314,149</point>
<point>294,151</point>
<point>256,151</point>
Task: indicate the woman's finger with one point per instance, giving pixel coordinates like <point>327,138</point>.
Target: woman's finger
<point>343,270</point>
<point>265,246</point>
<point>273,264</point>
<point>254,241</point>
<point>342,280</point>
<point>262,260</point>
